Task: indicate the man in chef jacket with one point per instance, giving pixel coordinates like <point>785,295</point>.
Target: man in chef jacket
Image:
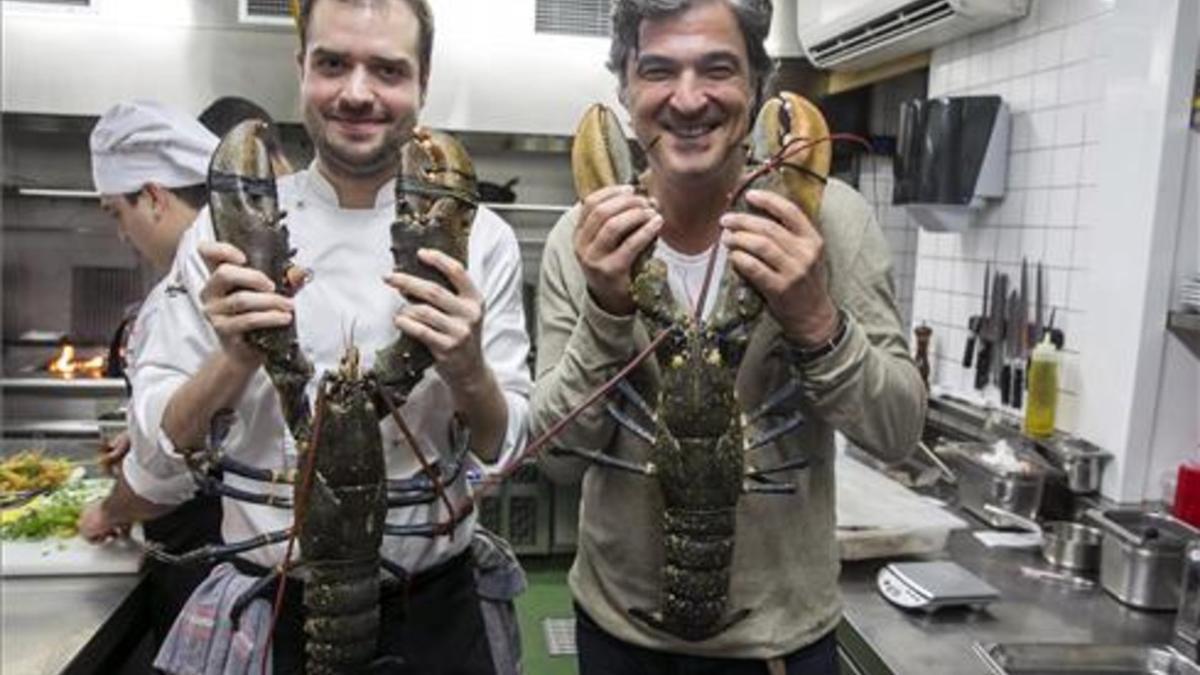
<point>150,166</point>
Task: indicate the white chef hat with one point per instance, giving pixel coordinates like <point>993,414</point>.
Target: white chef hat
<point>146,142</point>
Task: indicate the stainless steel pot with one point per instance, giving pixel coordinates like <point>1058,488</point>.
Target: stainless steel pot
<point>1141,559</point>
<point>1065,544</point>
<point>1071,545</point>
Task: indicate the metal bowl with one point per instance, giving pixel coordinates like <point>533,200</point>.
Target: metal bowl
<point>1071,545</point>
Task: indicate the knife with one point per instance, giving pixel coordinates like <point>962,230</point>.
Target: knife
<point>1011,347</point>
<point>993,331</point>
<point>1022,336</point>
<point>1037,312</point>
<point>975,323</point>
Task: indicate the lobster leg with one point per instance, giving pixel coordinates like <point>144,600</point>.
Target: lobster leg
<point>212,486</point>
<point>790,465</point>
<point>777,398</point>
<point>629,423</point>
<point>783,428</point>
<point>601,459</point>
<point>430,530</point>
<point>213,552</point>
<point>235,467</point>
<point>263,587</point>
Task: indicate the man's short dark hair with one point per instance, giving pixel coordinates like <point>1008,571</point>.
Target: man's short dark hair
<point>420,8</point>
<point>753,17</point>
<point>195,196</point>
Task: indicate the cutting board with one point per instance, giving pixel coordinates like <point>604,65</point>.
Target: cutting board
<point>880,518</point>
<point>68,557</point>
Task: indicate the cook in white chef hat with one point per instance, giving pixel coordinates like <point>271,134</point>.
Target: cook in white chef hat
<point>150,165</point>
<point>144,142</point>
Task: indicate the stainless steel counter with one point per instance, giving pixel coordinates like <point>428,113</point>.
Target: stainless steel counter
<point>1029,610</point>
<point>52,625</point>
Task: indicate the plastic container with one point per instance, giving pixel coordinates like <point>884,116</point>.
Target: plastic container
<point>1186,505</point>
<point>1042,403</point>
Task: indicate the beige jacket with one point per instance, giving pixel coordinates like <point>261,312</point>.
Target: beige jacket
<point>785,563</point>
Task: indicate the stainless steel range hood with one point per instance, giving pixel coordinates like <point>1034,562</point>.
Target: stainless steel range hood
<point>491,70</point>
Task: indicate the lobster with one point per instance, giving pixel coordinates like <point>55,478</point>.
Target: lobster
<point>341,493</point>
<point>696,430</point>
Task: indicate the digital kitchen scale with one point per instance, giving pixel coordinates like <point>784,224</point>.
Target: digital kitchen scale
<point>929,586</point>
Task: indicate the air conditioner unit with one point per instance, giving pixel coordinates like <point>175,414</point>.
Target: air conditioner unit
<point>856,34</point>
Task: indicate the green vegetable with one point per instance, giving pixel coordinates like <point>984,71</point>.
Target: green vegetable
<point>55,514</point>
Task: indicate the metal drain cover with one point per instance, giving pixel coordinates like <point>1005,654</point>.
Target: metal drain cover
<point>560,636</point>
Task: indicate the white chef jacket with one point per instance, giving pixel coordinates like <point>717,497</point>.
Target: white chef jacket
<point>347,252</point>
<point>154,475</point>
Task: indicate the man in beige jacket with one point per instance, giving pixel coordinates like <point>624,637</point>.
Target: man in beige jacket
<point>691,74</point>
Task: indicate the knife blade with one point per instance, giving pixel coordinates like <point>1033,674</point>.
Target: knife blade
<point>993,331</point>
<point>1022,330</point>
<point>1012,346</point>
<point>975,323</point>
<point>1038,307</point>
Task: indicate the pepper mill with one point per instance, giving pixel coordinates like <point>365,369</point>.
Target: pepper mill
<point>923,332</point>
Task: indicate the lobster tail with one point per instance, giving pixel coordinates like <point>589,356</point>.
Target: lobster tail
<point>244,207</point>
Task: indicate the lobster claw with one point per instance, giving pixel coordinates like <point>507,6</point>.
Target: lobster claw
<point>600,155</point>
<point>436,199</point>
<point>792,133</point>
<point>244,207</point>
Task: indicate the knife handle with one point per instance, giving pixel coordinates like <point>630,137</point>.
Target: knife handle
<point>969,353</point>
<point>983,365</point>
<point>1005,383</point>
<point>1018,386</point>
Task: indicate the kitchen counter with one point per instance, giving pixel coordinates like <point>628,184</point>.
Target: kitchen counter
<point>66,624</point>
<point>884,639</point>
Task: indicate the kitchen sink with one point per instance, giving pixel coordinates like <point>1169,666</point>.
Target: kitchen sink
<point>1031,658</point>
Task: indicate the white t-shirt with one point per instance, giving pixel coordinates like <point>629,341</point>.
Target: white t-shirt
<point>685,275</point>
<point>348,253</point>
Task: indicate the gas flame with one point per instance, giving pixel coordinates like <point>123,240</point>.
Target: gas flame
<point>66,366</point>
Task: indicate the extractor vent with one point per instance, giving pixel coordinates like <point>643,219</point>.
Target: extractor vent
<point>907,20</point>
<point>99,296</point>
<point>266,12</point>
<point>573,17</point>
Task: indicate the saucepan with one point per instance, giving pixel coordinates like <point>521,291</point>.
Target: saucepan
<point>1066,544</point>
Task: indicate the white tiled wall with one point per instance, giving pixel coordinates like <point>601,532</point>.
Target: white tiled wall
<point>875,183</point>
<point>1049,67</point>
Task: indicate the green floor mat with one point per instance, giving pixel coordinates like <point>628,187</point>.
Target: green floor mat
<point>546,598</point>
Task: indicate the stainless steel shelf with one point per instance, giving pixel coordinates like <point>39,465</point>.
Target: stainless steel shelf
<point>55,429</point>
<point>536,208</point>
<point>77,388</point>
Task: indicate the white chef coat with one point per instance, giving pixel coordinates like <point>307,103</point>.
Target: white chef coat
<point>347,252</point>
<point>154,475</point>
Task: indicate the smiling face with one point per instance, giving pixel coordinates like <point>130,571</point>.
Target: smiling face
<point>361,84</point>
<point>690,92</point>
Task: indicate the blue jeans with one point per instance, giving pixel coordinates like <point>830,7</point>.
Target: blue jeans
<point>603,654</point>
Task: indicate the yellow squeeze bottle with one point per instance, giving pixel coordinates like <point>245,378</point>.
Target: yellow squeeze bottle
<point>1042,380</point>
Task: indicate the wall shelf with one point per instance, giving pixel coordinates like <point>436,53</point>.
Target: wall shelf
<point>1185,326</point>
<point>537,208</point>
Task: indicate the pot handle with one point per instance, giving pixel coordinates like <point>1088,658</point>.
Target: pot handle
<point>1111,527</point>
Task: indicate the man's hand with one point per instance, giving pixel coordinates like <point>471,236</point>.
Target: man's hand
<point>782,256</point>
<point>237,299</point>
<point>615,224</point>
<point>113,452</point>
<point>449,323</point>
<point>97,526</point>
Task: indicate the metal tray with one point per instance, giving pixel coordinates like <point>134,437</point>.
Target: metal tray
<point>1054,658</point>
